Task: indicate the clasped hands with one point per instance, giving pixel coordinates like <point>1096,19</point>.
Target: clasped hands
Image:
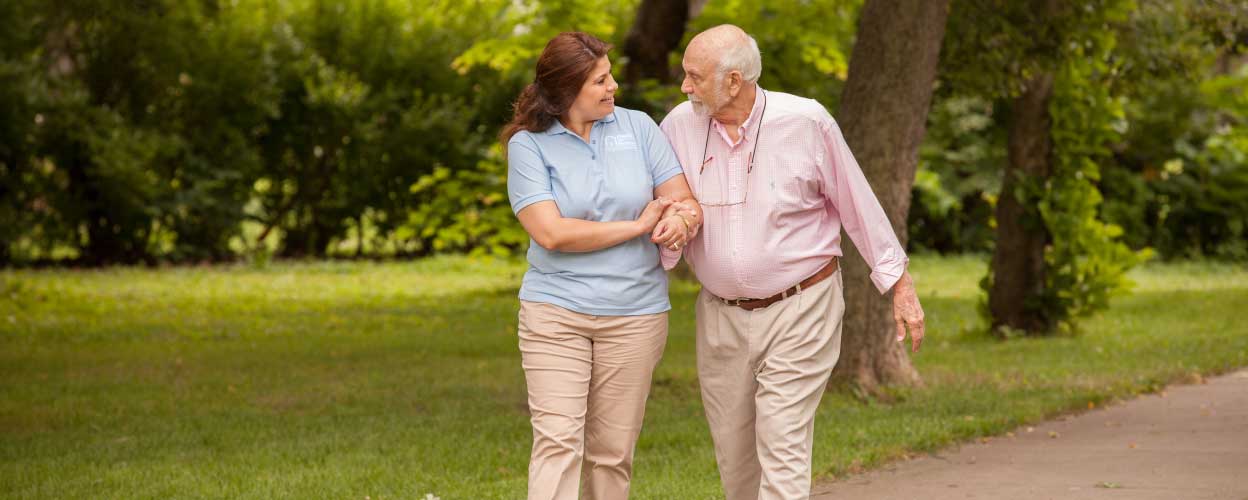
<point>671,224</point>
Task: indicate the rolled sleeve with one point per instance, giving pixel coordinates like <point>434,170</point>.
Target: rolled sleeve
<point>669,257</point>
<point>860,212</point>
<point>528,180</point>
<point>888,270</point>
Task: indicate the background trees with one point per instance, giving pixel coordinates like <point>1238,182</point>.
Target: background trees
<point>1066,137</point>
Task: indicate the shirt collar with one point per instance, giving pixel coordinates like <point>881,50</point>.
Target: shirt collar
<point>743,132</point>
<point>558,128</point>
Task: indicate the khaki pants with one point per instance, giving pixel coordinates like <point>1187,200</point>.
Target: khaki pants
<point>763,373</point>
<point>588,378</point>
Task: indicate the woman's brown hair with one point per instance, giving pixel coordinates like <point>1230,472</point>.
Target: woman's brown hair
<point>562,69</point>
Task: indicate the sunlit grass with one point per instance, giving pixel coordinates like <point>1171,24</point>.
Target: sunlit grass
<point>346,380</point>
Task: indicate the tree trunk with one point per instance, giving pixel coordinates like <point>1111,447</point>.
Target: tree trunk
<point>657,30</point>
<point>1018,267</point>
<point>311,233</point>
<point>883,114</point>
<point>359,233</point>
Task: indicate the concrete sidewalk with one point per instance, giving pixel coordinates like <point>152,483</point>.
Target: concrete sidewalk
<point>1190,442</point>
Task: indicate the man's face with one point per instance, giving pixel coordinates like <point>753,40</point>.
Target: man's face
<point>703,84</point>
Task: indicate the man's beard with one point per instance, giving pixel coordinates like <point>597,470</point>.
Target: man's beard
<point>699,107</point>
<point>703,107</point>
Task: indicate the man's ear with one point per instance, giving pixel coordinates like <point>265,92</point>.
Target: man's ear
<point>735,79</point>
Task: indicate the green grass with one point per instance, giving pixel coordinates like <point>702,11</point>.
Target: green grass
<point>346,380</point>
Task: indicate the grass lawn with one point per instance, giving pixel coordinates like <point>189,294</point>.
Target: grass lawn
<point>347,380</point>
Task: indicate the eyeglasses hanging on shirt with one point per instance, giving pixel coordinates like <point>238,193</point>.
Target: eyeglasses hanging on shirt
<point>716,187</point>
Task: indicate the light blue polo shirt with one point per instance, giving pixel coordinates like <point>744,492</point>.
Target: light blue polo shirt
<point>610,178</point>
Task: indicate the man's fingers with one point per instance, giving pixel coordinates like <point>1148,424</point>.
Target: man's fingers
<point>667,236</point>
<point>917,332</point>
<point>901,329</point>
<point>675,242</point>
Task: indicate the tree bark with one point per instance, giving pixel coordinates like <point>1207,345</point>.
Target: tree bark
<point>656,32</point>
<point>359,233</point>
<point>1018,267</point>
<point>883,114</point>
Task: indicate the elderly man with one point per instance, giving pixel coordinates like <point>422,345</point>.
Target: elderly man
<point>777,183</point>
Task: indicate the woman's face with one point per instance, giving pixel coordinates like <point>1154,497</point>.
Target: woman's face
<point>597,97</point>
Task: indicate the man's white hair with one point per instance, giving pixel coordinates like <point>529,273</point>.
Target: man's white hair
<point>743,56</point>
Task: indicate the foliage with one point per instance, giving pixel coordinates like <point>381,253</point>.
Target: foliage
<point>805,43</point>
<point>959,177</point>
<point>1166,56</point>
<point>1086,261</point>
<point>165,127</point>
<point>467,210</point>
<point>1177,182</point>
<point>172,130</point>
<point>1086,258</point>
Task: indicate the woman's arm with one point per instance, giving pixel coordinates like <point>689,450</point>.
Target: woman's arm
<point>553,231</point>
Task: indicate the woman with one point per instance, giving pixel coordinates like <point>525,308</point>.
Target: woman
<point>594,186</point>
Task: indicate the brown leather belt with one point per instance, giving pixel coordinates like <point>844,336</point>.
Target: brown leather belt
<point>752,304</point>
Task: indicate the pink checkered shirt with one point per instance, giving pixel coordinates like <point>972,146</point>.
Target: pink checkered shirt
<point>771,227</point>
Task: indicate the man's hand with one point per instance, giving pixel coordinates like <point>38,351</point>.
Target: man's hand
<point>907,312</point>
<point>688,214</point>
<point>679,207</point>
<point>671,233</point>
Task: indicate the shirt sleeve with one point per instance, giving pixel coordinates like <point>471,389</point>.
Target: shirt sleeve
<point>528,181</point>
<point>659,154</point>
<point>667,256</point>
<point>861,215</point>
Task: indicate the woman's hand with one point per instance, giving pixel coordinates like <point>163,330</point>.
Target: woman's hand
<point>671,232</point>
<point>649,217</point>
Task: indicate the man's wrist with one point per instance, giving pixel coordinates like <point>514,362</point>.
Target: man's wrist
<point>681,218</point>
<point>670,210</point>
<point>904,282</point>
<point>691,221</point>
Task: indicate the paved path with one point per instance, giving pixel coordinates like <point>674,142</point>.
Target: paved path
<point>1189,443</point>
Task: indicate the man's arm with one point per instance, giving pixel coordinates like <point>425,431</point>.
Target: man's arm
<point>681,220</point>
<point>865,222</point>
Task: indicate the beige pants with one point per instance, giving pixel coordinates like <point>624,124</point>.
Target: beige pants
<point>588,377</point>
<point>763,373</point>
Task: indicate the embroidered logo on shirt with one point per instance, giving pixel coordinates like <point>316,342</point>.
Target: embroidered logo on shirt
<point>624,142</point>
